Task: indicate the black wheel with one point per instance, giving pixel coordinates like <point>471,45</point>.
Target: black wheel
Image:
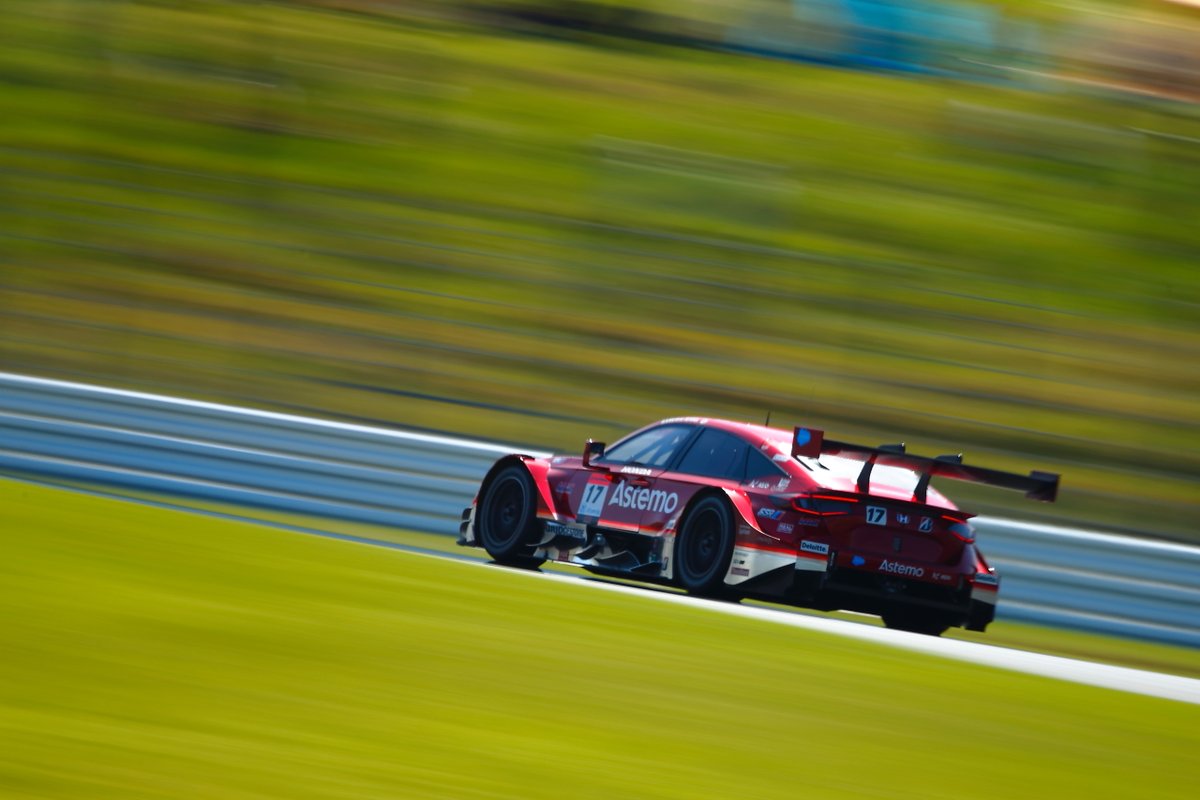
<point>704,547</point>
<point>914,621</point>
<point>506,519</point>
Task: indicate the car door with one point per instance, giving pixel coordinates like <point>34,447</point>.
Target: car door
<point>616,491</point>
<point>714,457</point>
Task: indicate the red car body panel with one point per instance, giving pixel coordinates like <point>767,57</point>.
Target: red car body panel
<point>845,526</point>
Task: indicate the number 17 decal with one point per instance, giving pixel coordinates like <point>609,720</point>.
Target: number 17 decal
<point>877,515</point>
<point>593,499</point>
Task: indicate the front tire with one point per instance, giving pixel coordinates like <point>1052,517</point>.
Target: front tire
<point>507,518</point>
<point>704,547</point>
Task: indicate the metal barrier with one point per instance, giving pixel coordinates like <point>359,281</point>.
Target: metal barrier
<point>74,432</point>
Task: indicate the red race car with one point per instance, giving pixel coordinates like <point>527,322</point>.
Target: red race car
<point>729,509</point>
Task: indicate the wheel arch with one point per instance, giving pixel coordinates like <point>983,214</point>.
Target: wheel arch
<point>695,499</point>
<point>743,509</point>
<point>742,519</point>
<point>750,563</point>
<point>537,469</point>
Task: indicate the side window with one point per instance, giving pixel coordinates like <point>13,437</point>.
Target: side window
<point>759,467</point>
<point>715,454</point>
<point>652,448</point>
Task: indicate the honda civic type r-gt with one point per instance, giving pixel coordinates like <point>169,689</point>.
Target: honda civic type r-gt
<point>729,509</point>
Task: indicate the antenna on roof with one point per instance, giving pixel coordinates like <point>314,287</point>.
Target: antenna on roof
<point>767,424</point>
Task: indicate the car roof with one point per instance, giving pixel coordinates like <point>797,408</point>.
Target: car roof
<point>829,472</point>
<point>777,439</point>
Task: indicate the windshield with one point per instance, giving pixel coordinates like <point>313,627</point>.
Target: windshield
<point>651,448</point>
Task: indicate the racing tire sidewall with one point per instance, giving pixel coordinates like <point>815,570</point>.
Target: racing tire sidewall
<point>507,517</point>
<point>704,547</point>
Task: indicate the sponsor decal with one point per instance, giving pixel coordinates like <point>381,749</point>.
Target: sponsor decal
<point>876,515</point>
<point>593,499</point>
<point>785,527</point>
<point>760,484</point>
<point>984,579</point>
<point>926,525</point>
<point>637,470</point>
<point>781,457</point>
<point>902,519</point>
<point>740,571</point>
<point>942,576</point>
<point>815,547</point>
<point>576,532</point>
<point>907,570</point>
<point>858,561</point>
<point>626,495</point>
<point>770,513</point>
<point>808,522</point>
<point>783,484</point>
<point>562,488</point>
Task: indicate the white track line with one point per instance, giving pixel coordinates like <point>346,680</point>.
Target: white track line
<point>1107,676</point>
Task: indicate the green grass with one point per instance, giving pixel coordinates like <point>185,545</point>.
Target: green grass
<point>1055,641</point>
<point>150,653</point>
<point>398,214</point>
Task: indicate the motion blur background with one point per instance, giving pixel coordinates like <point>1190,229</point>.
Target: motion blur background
<point>967,225</point>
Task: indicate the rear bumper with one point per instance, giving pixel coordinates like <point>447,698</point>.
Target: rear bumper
<point>872,593</point>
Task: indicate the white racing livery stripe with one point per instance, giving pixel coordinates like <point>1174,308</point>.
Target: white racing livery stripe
<point>750,562</point>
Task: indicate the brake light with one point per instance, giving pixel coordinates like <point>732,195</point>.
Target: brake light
<point>962,531</point>
<point>824,505</point>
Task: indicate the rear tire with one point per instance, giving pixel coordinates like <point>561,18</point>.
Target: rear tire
<point>704,547</point>
<point>507,518</point>
<point>913,621</point>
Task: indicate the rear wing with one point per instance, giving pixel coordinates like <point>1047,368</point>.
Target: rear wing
<point>811,443</point>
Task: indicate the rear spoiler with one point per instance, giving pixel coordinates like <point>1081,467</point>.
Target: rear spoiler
<point>811,443</point>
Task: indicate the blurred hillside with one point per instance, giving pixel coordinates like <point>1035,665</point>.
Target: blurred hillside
<point>538,222</point>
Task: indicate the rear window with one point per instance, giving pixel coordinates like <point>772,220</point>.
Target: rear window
<point>715,454</point>
<point>759,467</point>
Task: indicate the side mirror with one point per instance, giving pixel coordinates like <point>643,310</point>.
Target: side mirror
<point>592,450</point>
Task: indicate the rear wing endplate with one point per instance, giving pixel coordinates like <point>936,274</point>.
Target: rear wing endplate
<point>811,443</point>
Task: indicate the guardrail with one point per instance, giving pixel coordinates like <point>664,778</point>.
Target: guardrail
<point>75,432</point>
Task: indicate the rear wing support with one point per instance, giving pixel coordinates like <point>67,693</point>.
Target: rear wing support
<point>811,443</point>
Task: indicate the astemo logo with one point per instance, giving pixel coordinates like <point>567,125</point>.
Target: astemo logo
<point>628,496</point>
<point>896,568</point>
